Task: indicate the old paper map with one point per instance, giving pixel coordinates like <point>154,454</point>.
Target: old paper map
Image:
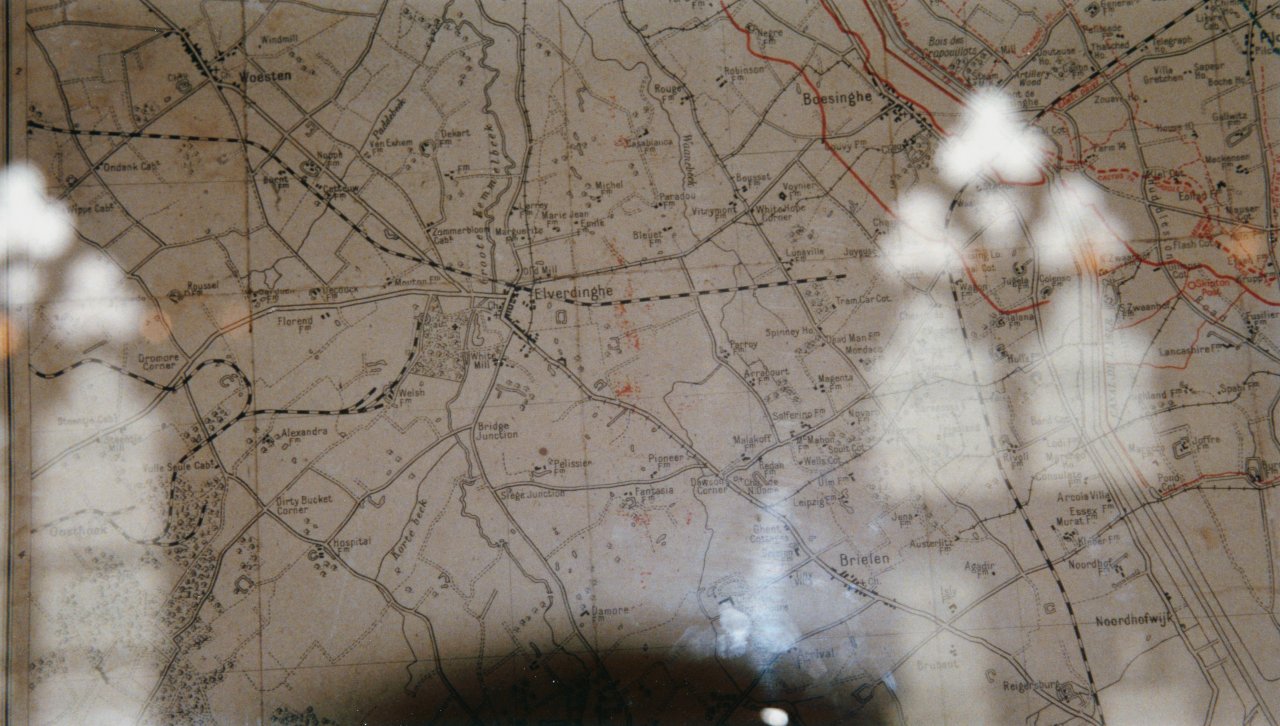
<point>642,361</point>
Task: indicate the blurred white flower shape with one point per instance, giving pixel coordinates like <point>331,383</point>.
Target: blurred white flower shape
<point>1075,227</point>
<point>992,141</point>
<point>735,632</point>
<point>920,242</point>
<point>31,225</point>
<point>35,235</point>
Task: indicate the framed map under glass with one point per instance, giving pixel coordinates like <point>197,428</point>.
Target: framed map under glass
<point>646,361</point>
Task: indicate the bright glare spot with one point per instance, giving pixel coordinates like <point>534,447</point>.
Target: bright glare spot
<point>995,211</point>
<point>774,716</point>
<point>993,141</point>
<point>1074,226</point>
<point>735,631</point>
<point>920,242</point>
<point>23,282</point>
<point>30,224</point>
<point>96,292</point>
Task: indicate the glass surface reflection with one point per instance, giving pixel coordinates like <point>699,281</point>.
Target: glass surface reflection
<point>573,362</point>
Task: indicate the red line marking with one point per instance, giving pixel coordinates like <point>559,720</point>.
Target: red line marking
<point>822,110</point>
<point>969,272</point>
<point>822,114</point>
<point>920,54</point>
<point>1192,348</point>
<point>1171,367</point>
<point>885,43</point>
<point>995,306</point>
<point>1220,475</point>
<point>923,109</point>
<point>1159,309</point>
<point>1138,257</point>
<point>1197,266</point>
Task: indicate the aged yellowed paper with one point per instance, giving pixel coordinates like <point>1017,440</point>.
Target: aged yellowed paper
<point>641,361</point>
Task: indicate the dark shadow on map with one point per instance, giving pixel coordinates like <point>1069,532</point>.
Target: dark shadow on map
<point>650,693</point>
